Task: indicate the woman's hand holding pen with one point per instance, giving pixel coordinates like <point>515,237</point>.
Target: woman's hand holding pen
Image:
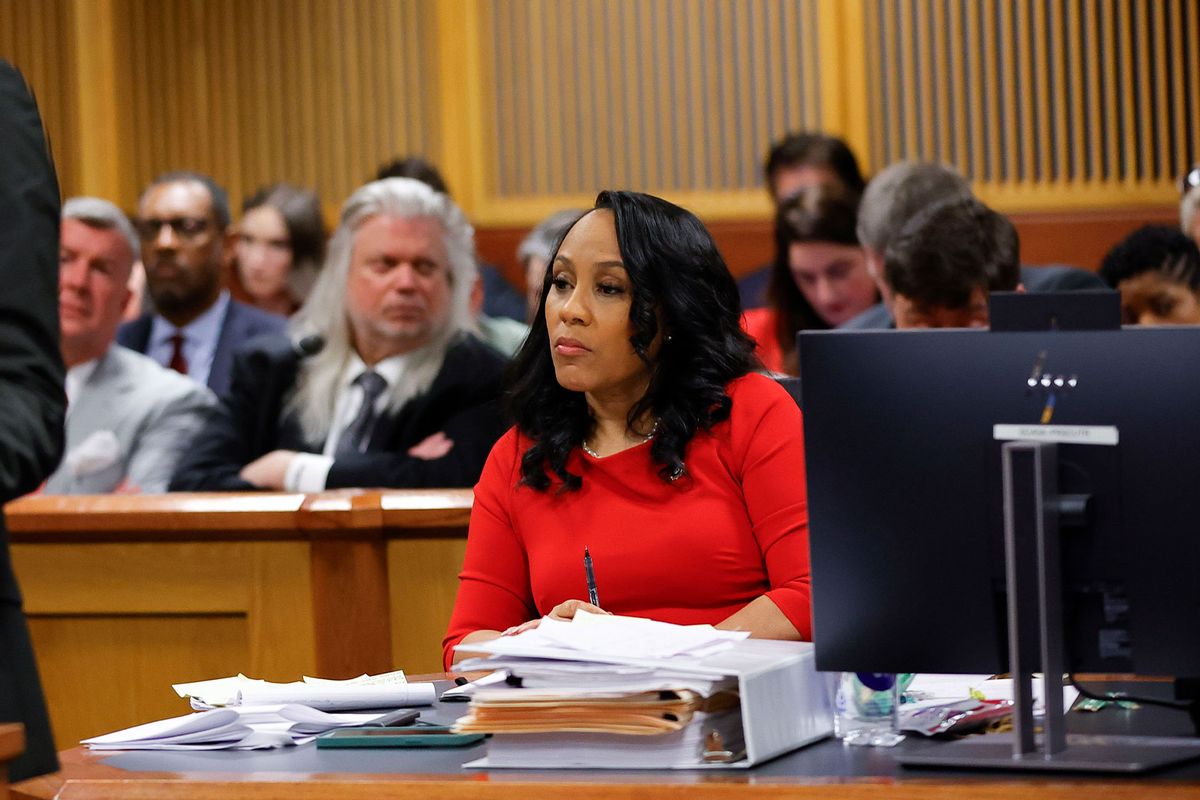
<point>564,611</point>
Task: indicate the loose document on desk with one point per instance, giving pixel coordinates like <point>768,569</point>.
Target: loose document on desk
<point>367,691</point>
<point>784,702</point>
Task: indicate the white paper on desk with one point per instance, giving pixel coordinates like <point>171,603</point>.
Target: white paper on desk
<point>602,636</point>
<point>211,726</point>
<point>384,679</point>
<point>252,741</point>
<point>216,692</point>
<point>585,679</point>
<point>340,698</point>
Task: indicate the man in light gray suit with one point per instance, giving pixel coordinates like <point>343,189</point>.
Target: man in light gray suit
<point>128,419</point>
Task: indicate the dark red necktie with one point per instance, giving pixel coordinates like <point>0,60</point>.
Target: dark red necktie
<point>178,362</point>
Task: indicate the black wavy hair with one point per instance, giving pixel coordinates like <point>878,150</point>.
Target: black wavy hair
<point>677,276</point>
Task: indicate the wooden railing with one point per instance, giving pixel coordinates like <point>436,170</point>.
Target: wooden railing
<point>127,595</point>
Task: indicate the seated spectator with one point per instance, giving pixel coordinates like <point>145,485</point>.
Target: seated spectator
<point>128,419</point>
<point>800,160</point>
<point>503,334</point>
<point>183,221</point>
<point>385,386</point>
<point>643,433</point>
<point>820,278</point>
<point>1189,205</point>
<point>942,264</point>
<point>534,251</point>
<point>279,248</point>
<point>1157,270</point>
<point>905,189</point>
<point>499,297</point>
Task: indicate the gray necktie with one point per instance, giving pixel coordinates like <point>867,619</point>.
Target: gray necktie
<point>357,435</point>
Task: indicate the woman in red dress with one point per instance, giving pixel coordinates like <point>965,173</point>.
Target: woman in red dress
<point>644,434</point>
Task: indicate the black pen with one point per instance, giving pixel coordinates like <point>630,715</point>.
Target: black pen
<point>593,598</point>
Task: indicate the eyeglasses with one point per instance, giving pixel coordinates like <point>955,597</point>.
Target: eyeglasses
<point>183,227</point>
<point>1190,179</point>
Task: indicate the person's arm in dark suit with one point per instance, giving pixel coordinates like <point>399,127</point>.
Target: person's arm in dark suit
<point>463,405</point>
<point>473,429</point>
<point>31,368</point>
<point>244,424</point>
<point>32,401</point>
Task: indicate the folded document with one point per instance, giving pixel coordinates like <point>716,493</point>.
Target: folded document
<point>379,691</point>
<point>241,728</point>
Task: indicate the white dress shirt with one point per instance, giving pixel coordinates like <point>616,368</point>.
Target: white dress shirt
<point>308,472</point>
<point>77,377</point>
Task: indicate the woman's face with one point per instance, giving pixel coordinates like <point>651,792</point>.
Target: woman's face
<point>264,253</point>
<point>833,278</point>
<point>587,314</point>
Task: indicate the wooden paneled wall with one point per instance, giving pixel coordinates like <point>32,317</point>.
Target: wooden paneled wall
<point>1045,104</point>
<point>533,105</point>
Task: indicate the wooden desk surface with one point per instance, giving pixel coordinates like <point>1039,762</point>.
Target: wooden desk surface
<point>824,771</point>
<point>84,777</point>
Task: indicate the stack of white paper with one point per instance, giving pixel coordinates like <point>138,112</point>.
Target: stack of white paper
<point>242,728</point>
<point>379,691</point>
<point>241,713</point>
<point>587,693</point>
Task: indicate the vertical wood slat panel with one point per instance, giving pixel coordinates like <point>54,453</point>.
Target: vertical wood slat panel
<point>905,37</point>
<point>810,55</point>
<point>1178,159</point>
<point>943,86</point>
<point>1125,40</point>
<point>1143,107</point>
<point>1022,122</point>
<point>1076,77</point>
<point>1162,97</point>
<point>240,105</point>
<point>1092,24</point>
<point>1193,69</point>
<point>963,97</point>
<point>925,89</point>
<point>871,35</point>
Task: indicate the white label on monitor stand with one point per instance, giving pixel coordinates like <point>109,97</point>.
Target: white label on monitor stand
<point>1062,434</point>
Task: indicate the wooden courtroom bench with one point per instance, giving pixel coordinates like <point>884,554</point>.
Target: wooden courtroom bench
<point>126,595</point>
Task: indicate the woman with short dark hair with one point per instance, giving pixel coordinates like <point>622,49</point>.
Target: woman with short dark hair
<point>644,434</point>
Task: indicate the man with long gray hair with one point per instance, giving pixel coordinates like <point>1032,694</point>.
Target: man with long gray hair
<point>382,381</point>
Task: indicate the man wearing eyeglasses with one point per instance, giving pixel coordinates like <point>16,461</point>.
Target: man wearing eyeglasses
<point>184,226</point>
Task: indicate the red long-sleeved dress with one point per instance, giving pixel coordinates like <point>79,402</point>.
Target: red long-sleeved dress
<point>692,551</point>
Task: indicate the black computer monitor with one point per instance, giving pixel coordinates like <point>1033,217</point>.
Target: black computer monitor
<point>905,496</point>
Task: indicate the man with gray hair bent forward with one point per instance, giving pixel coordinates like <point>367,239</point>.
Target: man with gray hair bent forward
<point>382,382</point>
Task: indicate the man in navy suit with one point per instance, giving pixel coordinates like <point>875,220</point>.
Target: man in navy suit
<point>184,225</point>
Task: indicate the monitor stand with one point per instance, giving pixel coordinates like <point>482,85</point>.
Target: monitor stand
<point>1032,509</point>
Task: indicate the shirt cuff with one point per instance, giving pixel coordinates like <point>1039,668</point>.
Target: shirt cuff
<point>307,472</point>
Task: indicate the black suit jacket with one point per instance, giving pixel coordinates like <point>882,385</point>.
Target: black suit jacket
<point>463,402</point>
<point>32,401</point>
<point>242,323</point>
